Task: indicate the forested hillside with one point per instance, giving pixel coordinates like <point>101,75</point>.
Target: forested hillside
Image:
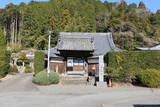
<point>27,25</point>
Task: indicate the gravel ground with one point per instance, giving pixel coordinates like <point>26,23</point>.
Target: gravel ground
<point>19,91</point>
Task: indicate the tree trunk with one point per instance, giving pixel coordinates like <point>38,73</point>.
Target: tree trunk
<point>16,25</point>
<point>12,33</point>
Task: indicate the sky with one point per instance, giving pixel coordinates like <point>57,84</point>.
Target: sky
<point>153,5</point>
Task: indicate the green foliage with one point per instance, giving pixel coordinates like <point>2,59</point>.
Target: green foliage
<point>53,77</point>
<point>22,57</point>
<point>138,59</point>
<point>4,63</point>
<point>43,78</point>
<point>128,62</point>
<point>28,69</point>
<point>133,5</point>
<point>33,21</point>
<point>128,22</point>
<point>149,78</point>
<point>57,16</point>
<point>2,40</point>
<point>112,73</point>
<point>142,5</point>
<point>39,61</point>
<point>13,69</point>
<point>4,56</point>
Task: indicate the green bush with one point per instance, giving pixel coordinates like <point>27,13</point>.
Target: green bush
<point>128,62</point>
<point>4,63</point>
<point>28,69</point>
<point>4,69</point>
<point>39,62</point>
<point>111,73</point>
<point>133,59</point>
<point>149,78</point>
<point>13,69</point>
<point>42,78</point>
<point>54,77</point>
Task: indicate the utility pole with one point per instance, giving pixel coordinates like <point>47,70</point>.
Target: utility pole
<point>49,46</point>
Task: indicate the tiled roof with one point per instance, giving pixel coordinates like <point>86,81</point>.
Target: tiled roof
<point>98,43</point>
<point>76,44</point>
<point>103,42</point>
<point>155,47</point>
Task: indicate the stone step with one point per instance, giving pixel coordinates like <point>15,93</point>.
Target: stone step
<point>73,78</point>
<point>67,80</point>
<point>81,73</point>
<point>73,82</point>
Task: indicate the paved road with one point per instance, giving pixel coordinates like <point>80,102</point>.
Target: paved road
<point>20,92</point>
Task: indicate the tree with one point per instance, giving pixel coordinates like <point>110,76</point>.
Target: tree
<point>133,5</point>
<point>27,25</point>
<point>158,12</point>
<point>22,58</point>
<point>4,56</point>
<point>142,5</point>
<point>122,6</point>
<point>39,61</point>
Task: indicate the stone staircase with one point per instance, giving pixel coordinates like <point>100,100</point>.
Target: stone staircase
<point>76,80</point>
<point>76,73</point>
<point>73,80</point>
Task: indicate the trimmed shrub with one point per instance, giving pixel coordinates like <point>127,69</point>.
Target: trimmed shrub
<point>149,78</point>
<point>28,69</point>
<point>39,62</point>
<point>42,78</point>
<point>53,77</point>
<point>127,63</point>
<point>133,59</point>
<point>111,73</point>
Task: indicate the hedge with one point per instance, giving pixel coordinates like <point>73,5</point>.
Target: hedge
<point>134,59</point>
<point>39,62</point>
<point>130,62</point>
<point>149,78</point>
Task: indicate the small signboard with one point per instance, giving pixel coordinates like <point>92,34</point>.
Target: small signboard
<point>81,62</point>
<point>75,62</point>
<point>70,62</point>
